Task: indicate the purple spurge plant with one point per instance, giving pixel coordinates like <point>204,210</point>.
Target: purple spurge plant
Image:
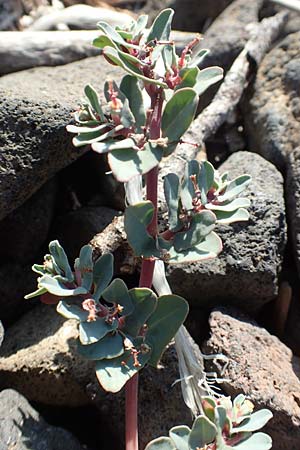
<point>141,122</point>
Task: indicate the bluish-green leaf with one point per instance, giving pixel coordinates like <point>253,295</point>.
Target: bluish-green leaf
<point>87,129</point>
<point>113,55</point>
<point>112,374</point>
<point>180,437</point>
<point>172,195</point>
<point>94,101</point>
<point>95,136</point>
<point>187,188</point>
<point>86,266</point>
<point>111,346</point>
<point>201,225</point>
<point>230,205</point>
<point>205,179</point>
<point>179,113</point>
<point>91,332</point>
<point>103,41</point>
<point>130,87</point>
<point>207,77</point>
<point>161,443</point>
<point>102,274</point>
<point>127,163</point>
<point>189,77</point>
<point>239,215</point>
<point>256,421</point>
<point>56,287</point>
<point>126,116</point>
<point>144,303</point>
<point>203,433</point>
<point>109,146</point>
<point>117,292</point>
<point>197,55</point>
<point>137,218</point>
<point>61,259</point>
<point>161,26</point>
<point>209,248</point>
<point>258,441</point>
<point>140,26</point>
<point>164,323</point>
<point>37,293</point>
<point>114,36</point>
<point>235,187</point>
<point>71,311</point>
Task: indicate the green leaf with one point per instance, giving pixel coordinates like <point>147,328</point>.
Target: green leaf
<point>209,248</point>
<point>114,36</point>
<point>112,374</point>
<point>179,113</point>
<point>164,323</point>
<point>86,266</point>
<point>111,346</point>
<point>130,87</point>
<point>161,443</point>
<point>230,205</point>
<point>197,55</point>
<point>117,292</point>
<point>256,421</point>
<point>224,217</point>
<point>127,118</point>
<point>201,225</point>
<point>205,179</point>
<point>187,188</point>
<point>56,287</point>
<point>161,26</point>
<point>71,311</point>
<point>117,58</point>
<point>180,436</point>
<point>103,41</point>
<point>258,441</point>
<point>144,303</point>
<point>189,77</point>
<point>127,163</point>
<point>235,187</point>
<point>91,332</point>
<point>37,293</point>
<point>203,432</point>
<point>102,274</point>
<point>94,101</point>
<point>61,260</point>
<point>172,195</point>
<point>209,404</point>
<point>112,85</point>
<point>137,218</point>
<point>109,146</point>
<point>88,129</point>
<point>140,26</point>
<point>207,77</point>
<point>169,57</point>
<point>95,136</point>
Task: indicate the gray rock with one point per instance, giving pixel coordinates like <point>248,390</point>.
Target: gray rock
<point>1,333</point>
<point>35,107</point>
<point>246,272</point>
<point>272,121</point>
<point>22,427</point>
<point>272,116</point>
<point>24,231</point>
<point>260,367</point>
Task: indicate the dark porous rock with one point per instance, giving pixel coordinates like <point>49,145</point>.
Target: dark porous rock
<point>246,272</point>
<point>22,427</point>
<point>77,228</point>
<point>24,231</point>
<point>261,367</point>
<point>272,112</point>
<point>39,359</point>
<point>35,107</point>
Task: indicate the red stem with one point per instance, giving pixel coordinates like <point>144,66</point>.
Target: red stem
<point>146,276</point>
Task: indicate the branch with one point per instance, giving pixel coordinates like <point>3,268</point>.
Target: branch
<point>291,4</point>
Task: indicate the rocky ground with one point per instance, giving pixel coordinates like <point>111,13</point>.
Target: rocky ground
<point>245,304</point>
